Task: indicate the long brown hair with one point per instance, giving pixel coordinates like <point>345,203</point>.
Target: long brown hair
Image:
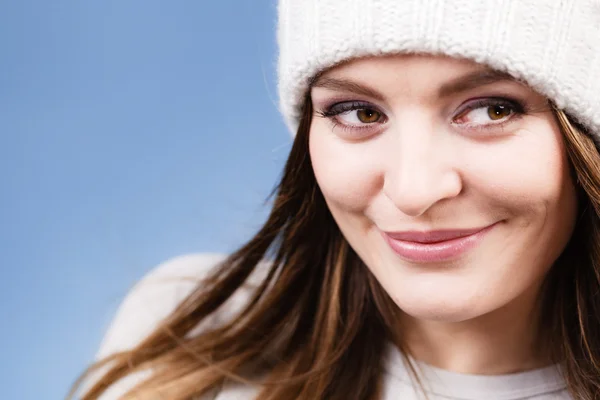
<point>319,316</point>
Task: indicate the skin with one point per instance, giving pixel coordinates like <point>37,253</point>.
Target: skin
<point>422,160</point>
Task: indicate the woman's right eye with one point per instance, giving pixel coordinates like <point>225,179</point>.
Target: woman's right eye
<point>362,115</point>
<point>353,115</point>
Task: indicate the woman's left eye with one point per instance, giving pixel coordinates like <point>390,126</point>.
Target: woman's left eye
<point>488,112</point>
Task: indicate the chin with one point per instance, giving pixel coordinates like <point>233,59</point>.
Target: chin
<point>440,315</point>
<point>439,307</point>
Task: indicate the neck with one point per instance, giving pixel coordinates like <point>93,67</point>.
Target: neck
<point>503,341</point>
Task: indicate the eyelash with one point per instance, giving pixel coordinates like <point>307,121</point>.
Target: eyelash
<point>516,107</point>
<point>336,109</point>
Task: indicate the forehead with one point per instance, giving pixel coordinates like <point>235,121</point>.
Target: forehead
<point>412,74</point>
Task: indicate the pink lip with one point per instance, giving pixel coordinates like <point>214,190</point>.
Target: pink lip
<point>435,246</point>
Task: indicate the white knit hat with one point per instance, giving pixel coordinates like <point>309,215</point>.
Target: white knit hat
<point>553,45</point>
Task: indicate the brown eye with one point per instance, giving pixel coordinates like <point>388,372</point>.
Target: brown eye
<point>498,112</point>
<point>368,115</point>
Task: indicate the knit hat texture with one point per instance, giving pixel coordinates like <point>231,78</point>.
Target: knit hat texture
<point>553,45</point>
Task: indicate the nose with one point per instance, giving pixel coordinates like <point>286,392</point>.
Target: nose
<point>420,171</point>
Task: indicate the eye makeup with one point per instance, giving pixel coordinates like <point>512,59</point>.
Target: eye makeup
<point>512,109</point>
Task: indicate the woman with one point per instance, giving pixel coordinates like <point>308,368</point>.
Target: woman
<point>435,231</point>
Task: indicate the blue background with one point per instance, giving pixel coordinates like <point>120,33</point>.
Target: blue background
<point>132,131</point>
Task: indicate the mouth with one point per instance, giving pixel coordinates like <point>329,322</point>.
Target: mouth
<point>435,246</point>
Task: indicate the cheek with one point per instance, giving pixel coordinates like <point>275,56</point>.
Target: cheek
<point>527,182</point>
<point>346,173</point>
<point>526,176</point>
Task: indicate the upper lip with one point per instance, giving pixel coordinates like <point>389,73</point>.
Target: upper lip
<point>433,236</point>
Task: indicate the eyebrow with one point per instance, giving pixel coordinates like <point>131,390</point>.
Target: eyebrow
<point>458,85</point>
<point>346,85</point>
<point>472,80</point>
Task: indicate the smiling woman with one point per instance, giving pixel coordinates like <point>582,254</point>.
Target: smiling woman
<point>427,176</point>
<point>436,229</point>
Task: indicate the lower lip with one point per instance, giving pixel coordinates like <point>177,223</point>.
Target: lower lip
<point>448,250</point>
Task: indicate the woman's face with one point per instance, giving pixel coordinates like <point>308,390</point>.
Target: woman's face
<point>449,180</point>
